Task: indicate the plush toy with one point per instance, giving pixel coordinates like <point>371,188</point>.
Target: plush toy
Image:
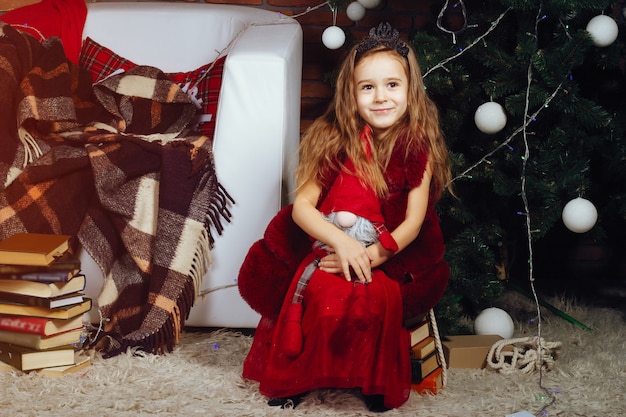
<point>354,208</point>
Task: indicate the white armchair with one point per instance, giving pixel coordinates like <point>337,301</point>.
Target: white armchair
<point>257,125</point>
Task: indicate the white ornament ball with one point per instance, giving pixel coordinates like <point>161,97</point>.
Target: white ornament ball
<point>603,30</point>
<point>369,4</point>
<point>494,320</point>
<point>333,37</point>
<point>579,215</point>
<point>490,117</point>
<point>355,11</point>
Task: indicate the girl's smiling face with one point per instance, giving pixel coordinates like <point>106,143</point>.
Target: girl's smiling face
<point>381,90</point>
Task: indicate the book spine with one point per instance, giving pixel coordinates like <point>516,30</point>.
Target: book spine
<point>26,340</point>
<point>433,383</point>
<point>46,277</point>
<point>419,333</point>
<point>54,313</point>
<point>12,358</point>
<point>39,343</point>
<point>421,368</point>
<point>43,289</point>
<point>26,359</point>
<point>423,348</point>
<point>61,270</point>
<point>27,300</point>
<point>24,324</point>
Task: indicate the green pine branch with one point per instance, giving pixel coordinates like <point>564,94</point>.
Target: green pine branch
<point>574,136</point>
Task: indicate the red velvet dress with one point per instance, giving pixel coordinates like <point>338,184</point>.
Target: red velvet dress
<point>335,353</point>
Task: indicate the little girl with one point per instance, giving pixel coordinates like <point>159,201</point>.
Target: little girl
<point>384,124</point>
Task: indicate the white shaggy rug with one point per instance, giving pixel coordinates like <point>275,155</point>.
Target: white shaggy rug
<point>202,378</point>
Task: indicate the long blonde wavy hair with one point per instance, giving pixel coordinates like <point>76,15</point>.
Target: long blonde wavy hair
<point>335,134</point>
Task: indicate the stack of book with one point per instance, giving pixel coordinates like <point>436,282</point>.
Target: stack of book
<point>425,364</point>
<point>41,304</point>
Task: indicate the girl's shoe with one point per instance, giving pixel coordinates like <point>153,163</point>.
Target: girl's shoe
<point>286,402</point>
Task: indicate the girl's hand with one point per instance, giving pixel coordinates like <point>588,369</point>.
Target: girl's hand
<point>350,257</point>
<point>330,263</point>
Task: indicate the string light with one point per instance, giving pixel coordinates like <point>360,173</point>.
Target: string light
<point>506,142</point>
<point>470,46</point>
<point>547,396</point>
<point>452,32</point>
<point>524,196</point>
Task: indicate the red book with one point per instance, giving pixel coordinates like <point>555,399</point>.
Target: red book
<point>433,383</point>
<point>39,325</point>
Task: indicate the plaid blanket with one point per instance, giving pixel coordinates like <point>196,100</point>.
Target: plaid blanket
<point>144,205</point>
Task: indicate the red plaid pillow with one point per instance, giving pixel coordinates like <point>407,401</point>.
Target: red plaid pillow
<point>101,62</point>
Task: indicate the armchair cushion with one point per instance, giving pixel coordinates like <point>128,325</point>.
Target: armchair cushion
<point>101,62</point>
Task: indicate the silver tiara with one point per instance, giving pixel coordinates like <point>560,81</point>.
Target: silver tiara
<point>383,35</point>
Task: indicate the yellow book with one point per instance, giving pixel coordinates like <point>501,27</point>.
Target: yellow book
<point>38,342</point>
<point>62,268</point>
<point>423,348</point>
<point>81,362</point>
<point>420,332</point>
<point>26,359</point>
<point>52,313</point>
<point>6,5</point>
<point>42,289</point>
<point>32,248</point>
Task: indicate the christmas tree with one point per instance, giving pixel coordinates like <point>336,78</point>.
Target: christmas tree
<point>549,82</point>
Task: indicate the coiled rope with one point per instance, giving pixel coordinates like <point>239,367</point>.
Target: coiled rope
<point>526,354</point>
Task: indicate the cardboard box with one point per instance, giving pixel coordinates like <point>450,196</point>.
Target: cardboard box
<point>468,351</point>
